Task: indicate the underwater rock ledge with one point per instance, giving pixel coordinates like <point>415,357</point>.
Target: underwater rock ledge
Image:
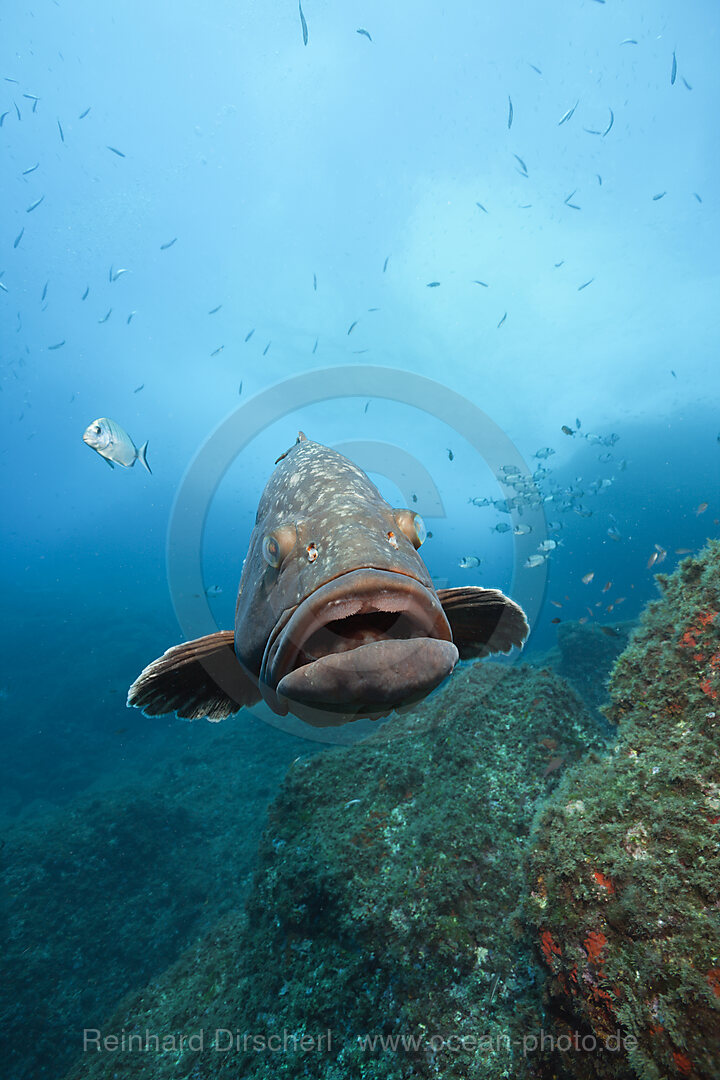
<point>384,904</point>
<point>624,873</point>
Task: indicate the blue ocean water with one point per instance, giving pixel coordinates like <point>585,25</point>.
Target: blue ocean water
<point>518,202</point>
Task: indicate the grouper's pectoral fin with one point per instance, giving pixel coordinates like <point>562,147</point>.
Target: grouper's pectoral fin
<point>200,678</point>
<point>483,621</point>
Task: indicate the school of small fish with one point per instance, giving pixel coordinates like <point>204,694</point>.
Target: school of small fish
<point>534,489</point>
<point>537,489</point>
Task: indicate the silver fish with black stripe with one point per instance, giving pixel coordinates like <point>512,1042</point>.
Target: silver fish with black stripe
<point>112,443</point>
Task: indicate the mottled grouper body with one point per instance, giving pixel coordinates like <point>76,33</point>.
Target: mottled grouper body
<point>336,615</point>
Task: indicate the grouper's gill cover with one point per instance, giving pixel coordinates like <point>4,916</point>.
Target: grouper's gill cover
<point>337,617</point>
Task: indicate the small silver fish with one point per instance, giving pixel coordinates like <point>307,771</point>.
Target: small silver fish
<point>213,590</point>
<point>534,560</point>
<point>303,24</point>
<point>469,562</point>
<point>566,116</point>
<point>109,440</point>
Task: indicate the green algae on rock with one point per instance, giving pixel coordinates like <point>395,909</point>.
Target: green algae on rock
<point>624,871</point>
<point>103,894</point>
<point>384,904</point>
<point>585,655</point>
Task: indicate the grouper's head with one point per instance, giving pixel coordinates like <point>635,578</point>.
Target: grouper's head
<point>336,614</point>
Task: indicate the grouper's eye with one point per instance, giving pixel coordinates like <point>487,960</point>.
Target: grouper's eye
<point>278,544</point>
<point>412,525</point>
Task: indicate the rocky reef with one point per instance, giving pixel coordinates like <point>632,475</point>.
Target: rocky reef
<point>585,654</point>
<point>493,885</point>
<point>624,872</point>
<point>103,894</point>
<point>382,925</point>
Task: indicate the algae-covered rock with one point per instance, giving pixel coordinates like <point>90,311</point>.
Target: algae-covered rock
<point>383,906</point>
<point>624,871</point>
<point>105,893</point>
<point>586,653</point>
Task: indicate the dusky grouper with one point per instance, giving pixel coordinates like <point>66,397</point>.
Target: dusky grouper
<point>337,618</point>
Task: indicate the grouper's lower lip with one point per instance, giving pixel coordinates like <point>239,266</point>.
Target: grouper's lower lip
<point>364,643</point>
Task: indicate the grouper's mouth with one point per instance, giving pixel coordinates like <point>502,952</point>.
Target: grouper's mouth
<point>360,645</point>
